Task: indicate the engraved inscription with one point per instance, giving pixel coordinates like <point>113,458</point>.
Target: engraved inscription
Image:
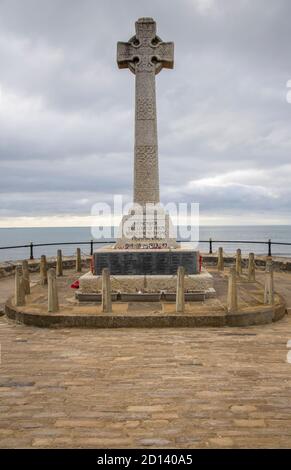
<point>159,263</point>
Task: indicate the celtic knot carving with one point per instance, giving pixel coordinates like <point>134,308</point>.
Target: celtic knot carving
<point>145,108</point>
<point>146,156</point>
<point>163,50</point>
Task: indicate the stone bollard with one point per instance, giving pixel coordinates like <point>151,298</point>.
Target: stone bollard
<point>59,265</point>
<point>238,265</point>
<point>25,277</point>
<point>232,303</point>
<point>180,292</point>
<point>43,270</point>
<point>252,268</point>
<point>220,260</point>
<point>53,301</point>
<point>269,283</point>
<point>106,291</point>
<point>78,261</point>
<point>19,294</point>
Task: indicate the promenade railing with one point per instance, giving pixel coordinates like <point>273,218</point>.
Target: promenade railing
<point>91,243</point>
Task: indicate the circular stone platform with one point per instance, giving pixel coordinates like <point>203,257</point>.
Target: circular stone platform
<point>210,312</point>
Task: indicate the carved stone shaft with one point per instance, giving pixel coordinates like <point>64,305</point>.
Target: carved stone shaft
<point>220,260</point>
<point>53,301</point>
<point>59,263</point>
<point>180,293</point>
<point>146,165</point>
<point>106,291</point>
<point>232,303</point>
<point>43,270</point>
<point>26,277</point>
<point>252,268</point>
<point>145,55</point>
<point>19,293</point>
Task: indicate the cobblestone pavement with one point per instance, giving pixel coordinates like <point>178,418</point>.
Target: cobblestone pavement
<point>226,387</point>
<point>145,388</point>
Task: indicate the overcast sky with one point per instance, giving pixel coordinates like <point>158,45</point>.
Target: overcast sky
<point>67,111</point>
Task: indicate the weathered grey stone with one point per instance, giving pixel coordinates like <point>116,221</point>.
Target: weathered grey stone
<point>238,263</point>
<point>146,55</point>
<point>78,261</point>
<point>53,301</point>
<point>25,277</point>
<point>106,291</point>
<point>269,282</point>
<point>19,293</point>
<point>252,268</point>
<point>220,260</point>
<point>232,303</point>
<point>59,265</point>
<point>43,270</point>
<point>90,283</point>
<point>180,295</point>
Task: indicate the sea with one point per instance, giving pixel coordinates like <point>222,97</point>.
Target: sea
<point>221,235</point>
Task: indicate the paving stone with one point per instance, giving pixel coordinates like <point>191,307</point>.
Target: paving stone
<point>250,423</point>
<point>243,408</point>
<point>221,442</point>
<point>154,442</point>
<point>139,388</point>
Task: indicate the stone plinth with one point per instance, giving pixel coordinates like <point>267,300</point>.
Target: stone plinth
<point>90,283</point>
<point>153,228</point>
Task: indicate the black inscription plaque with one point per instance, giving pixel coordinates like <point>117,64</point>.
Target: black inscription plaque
<point>135,263</point>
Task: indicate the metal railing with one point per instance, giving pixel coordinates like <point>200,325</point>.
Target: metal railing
<point>91,244</point>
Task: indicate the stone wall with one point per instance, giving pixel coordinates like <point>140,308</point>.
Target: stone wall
<point>69,262</point>
<point>8,268</point>
<point>132,284</point>
<point>280,263</point>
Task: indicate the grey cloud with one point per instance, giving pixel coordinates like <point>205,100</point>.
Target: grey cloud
<point>66,111</point>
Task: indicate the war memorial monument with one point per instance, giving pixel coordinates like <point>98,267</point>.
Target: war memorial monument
<point>145,343</point>
<point>146,254</point>
<point>147,278</point>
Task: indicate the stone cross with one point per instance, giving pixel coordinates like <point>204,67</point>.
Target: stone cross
<point>145,54</point>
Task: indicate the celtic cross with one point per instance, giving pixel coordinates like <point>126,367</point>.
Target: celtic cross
<point>145,54</point>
